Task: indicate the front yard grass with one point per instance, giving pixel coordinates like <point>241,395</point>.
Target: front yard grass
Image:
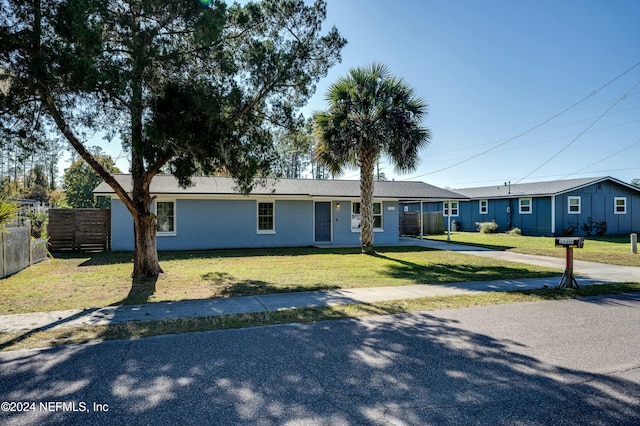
<point>615,250</point>
<point>98,280</point>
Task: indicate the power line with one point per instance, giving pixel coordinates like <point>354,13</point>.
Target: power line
<point>593,93</point>
<point>586,107</point>
<point>620,99</point>
<point>602,159</point>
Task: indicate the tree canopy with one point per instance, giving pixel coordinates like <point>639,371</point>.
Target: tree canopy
<point>186,86</point>
<point>80,180</point>
<point>371,113</point>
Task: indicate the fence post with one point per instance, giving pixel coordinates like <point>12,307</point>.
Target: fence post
<point>4,255</point>
<point>634,243</point>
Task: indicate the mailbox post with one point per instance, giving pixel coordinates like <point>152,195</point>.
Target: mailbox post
<point>569,243</point>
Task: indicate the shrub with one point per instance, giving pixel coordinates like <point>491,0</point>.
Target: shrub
<point>588,226</point>
<point>601,228</point>
<point>515,231</point>
<point>8,211</point>
<point>38,224</point>
<point>487,227</point>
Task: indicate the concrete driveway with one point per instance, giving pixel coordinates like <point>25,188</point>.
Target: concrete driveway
<point>574,362</point>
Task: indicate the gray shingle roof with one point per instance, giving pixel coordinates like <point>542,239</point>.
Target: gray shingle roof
<point>533,189</point>
<point>401,190</point>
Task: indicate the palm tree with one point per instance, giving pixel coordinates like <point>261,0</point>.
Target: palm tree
<point>371,113</point>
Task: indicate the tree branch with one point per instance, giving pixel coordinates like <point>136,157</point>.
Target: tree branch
<point>154,168</point>
<point>82,151</point>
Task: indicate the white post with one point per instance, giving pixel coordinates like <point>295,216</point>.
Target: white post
<point>421,221</point>
<point>634,243</point>
<point>449,221</point>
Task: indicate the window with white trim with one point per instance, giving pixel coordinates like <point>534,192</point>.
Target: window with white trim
<point>356,218</point>
<point>574,205</point>
<point>620,205</point>
<point>525,206</point>
<point>266,218</point>
<point>454,208</point>
<point>166,218</point>
<point>484,206</point>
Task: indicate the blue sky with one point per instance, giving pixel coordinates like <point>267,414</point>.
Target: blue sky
<point>493,70</point>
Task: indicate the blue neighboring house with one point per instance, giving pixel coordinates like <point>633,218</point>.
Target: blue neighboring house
<point>549,208</point>
<point>283,213</point>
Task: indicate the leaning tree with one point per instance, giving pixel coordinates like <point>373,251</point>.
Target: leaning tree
<point>371,113</point>
<point>189,86</point>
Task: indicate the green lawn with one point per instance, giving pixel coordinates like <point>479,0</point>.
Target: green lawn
<point>97,280</point>
<point>615,250</point>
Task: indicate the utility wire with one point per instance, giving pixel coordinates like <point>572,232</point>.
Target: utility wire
<point>593,93</point>
<point>602,159</point>
<point>620,99</point>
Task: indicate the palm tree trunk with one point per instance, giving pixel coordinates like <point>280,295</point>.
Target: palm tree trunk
<point>367,168</point>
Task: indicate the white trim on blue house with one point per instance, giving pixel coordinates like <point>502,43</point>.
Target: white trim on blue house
<point>551,211</point>
<point>525,205</point>
<point>259,215</point>
<point>455,208</point>
<point>574,204</point>
<point>553,214</point>
<point>483,206</point>
<point>623,210</point>
<point>355,217</point>
<point>174,225</point>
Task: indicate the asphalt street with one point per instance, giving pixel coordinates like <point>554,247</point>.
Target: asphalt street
<point>574,362</point>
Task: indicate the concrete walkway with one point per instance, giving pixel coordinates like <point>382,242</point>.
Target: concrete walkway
<point>587,273</point>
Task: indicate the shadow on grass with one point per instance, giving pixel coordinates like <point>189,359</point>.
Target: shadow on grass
<point>117,258</point>
<point>487,246</point>
<point>451,273</point>
<point>229,286</point>
<point>140,292</point>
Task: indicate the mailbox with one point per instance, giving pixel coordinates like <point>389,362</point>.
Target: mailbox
<point>570,242</point>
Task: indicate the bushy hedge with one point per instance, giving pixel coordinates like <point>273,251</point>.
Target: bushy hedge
<point>487,227</point>
<point>515,231</point>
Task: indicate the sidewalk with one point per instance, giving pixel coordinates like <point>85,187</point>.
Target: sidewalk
<point>587,273</point>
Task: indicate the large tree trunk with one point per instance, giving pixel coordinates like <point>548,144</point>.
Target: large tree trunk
<point>367,165</point>
<point>145,256</point>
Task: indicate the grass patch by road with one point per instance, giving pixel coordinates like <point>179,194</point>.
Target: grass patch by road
<point>615,250</point>
<point>98,280</point>
<point>80,335</point>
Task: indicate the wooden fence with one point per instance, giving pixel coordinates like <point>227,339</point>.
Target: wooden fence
<point>18,250</point>
<point>433,223</point>
<point>79,229</point>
